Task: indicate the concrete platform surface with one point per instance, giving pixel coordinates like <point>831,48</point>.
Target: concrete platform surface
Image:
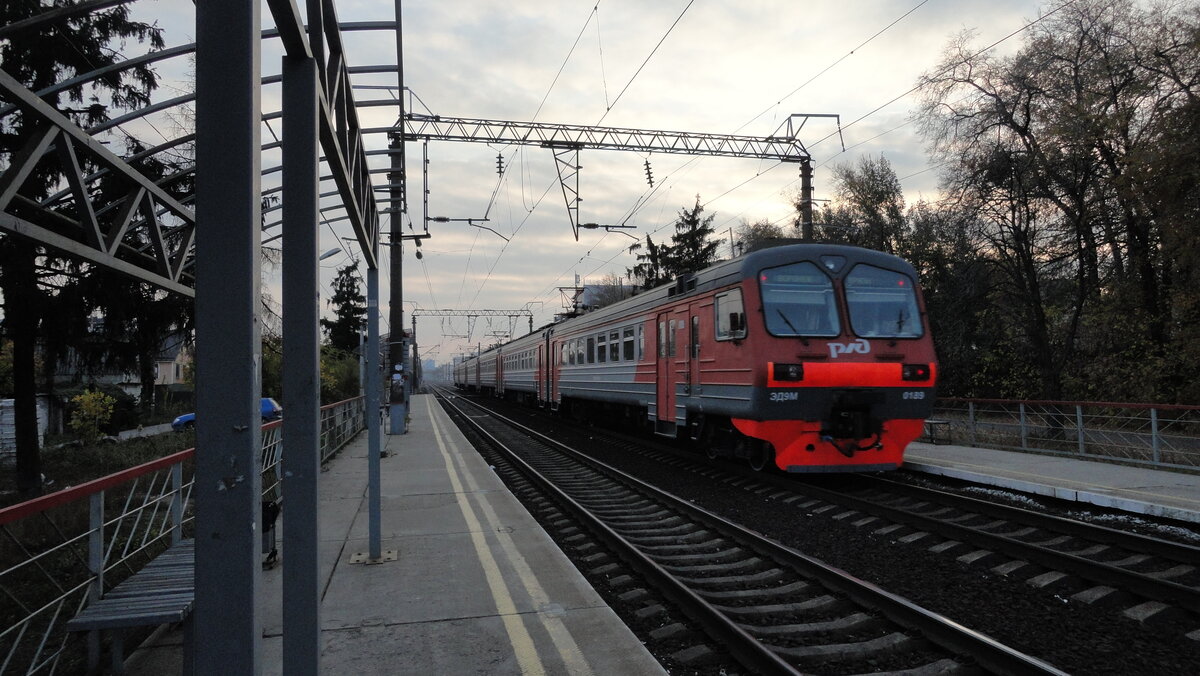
<point>478,586</point>
<point>1139,490</point>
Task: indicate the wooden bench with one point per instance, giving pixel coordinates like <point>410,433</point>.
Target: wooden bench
<point>931,430</point>
<point>162,592</point>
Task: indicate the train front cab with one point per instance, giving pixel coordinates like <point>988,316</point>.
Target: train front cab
<point>845,367</point>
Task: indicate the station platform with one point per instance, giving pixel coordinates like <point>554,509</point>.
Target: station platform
<point>1138,490</point>
<point>477,586</point>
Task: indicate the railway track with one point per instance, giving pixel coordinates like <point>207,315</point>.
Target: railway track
<point>1109,569</point>
<point>773,609</point>
<point>1137,575</point>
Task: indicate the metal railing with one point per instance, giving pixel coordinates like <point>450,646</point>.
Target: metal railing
<point>1154,435</point>
<point>61,550</point>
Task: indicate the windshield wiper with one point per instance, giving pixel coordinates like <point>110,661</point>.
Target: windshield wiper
<point>788,322</point>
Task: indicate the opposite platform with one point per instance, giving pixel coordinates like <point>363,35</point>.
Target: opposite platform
<point>1140,490</point>
<point>478,587</point>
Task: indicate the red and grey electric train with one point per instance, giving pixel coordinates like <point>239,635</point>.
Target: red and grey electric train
<point>816,357</point>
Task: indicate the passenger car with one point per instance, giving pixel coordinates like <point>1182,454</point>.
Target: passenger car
<point>271,410</point>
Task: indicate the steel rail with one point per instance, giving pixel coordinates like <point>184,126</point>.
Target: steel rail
<point>1120,538</point>
<point>742,645</point>
<point>990,654</point>
<point>1094,571</point>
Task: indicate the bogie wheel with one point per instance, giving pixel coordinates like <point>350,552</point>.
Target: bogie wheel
<point>761,455</point>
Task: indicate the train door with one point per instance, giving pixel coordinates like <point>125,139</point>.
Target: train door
<point>546,384</point>
<point>539,375</point>
<point>693,352</point>
<point>665,375</point>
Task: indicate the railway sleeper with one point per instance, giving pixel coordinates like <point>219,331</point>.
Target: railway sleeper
<point>715,544</point>
<point>818,604</point>
<point>677,525</point>
<point>651,540</point>
<point>797,587</point>
<point>734,554</point>
<point>890,644</point>
<point>760,577</point>
<point>853,622</point>
<point>714,568</point>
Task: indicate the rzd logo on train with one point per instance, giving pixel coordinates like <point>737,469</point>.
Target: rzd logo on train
<point>859,346</point>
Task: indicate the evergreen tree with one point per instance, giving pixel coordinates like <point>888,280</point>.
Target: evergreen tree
<point>691,249</point>
<point>692,246</point>
<point>40,55</point>
<point>349,309</point>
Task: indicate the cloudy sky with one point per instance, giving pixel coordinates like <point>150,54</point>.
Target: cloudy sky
<point>683,65</point>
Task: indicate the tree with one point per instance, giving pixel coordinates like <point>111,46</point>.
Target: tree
<point>349,308</point>
<point>752,236</point>
<point>650,270</point>
<point>1076,156</point>
<point>610,290</point>
<point>692,245</point>
<point>868,207</point>
<point>691,249</point>
<point>38,56</point>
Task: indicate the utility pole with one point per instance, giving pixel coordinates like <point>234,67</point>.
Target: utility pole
<point>398,396</point>
<point>806,199</point>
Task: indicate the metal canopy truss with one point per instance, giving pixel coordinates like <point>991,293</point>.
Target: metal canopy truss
<point>108,235</point>
<point>144,232</point>
<point>567,140</point>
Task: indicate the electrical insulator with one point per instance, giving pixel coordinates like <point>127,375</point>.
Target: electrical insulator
<point>499,164</point>
<point>649,176</point>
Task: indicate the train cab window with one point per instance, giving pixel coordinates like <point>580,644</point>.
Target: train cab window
<point>591,350</point>
<point>730,315</point>
<point>798,300</point>
<point>882,303</point>
<point>614,346</point>
<point>601,349</point>
<point>627,344</point>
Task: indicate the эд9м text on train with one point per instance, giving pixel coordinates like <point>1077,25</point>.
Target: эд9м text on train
<point>815,357</point>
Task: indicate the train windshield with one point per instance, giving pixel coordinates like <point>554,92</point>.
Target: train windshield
<point>882,303</point>
<point>798,300</point>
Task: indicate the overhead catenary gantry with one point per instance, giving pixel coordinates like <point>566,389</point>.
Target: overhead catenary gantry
<point>472,314</point>
<point>566,140</point>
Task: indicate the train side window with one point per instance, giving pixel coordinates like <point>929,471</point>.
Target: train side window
<point>570,353</point>
<point>601,348</point>
<point>641,342</point>
<point>614,346</point>
<point>730,315</point>
<point>627,343</point>
<point>591,350</point>
<point>580,351</point>
<point>694,337</point>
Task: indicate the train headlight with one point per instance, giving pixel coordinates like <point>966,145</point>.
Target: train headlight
<point>787,372</point>
<point>915,372</point>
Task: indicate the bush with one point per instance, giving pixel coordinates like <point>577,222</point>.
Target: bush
<point>91,415</point>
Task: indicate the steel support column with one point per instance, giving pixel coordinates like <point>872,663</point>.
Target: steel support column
<point>374,417</point>
<point>301,369</point>
<point>227,621</point>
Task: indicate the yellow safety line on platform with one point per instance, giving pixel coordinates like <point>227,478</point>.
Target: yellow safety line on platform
<point>518,636</point>
<point>564,643</point>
